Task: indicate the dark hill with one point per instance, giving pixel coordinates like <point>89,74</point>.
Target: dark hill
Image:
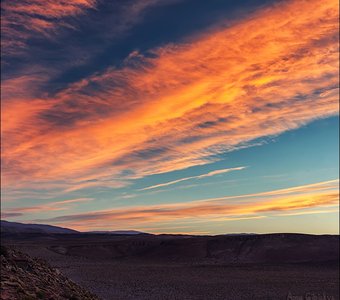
<point>223,249</point>
<point>13,227</point>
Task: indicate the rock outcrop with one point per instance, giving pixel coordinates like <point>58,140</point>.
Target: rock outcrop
<point>25,278</point>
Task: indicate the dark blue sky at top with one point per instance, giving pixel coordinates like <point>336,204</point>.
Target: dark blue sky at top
<point>105,36</point>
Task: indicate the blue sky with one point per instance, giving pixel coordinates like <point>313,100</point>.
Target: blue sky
<point>171,116</point>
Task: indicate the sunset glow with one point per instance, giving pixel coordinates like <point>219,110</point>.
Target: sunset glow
<point>230,127</point>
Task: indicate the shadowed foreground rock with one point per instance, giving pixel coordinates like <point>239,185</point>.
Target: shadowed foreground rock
<point>25,278</point>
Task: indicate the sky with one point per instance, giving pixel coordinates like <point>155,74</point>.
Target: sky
<point>171,116</point>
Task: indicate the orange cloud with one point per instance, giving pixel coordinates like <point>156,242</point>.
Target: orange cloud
<point>269,73</point>
<point>292,200</point>
<point>53,206</point>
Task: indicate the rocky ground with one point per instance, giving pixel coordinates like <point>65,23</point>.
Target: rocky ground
<point>24,278</point>
<point>279,266</point>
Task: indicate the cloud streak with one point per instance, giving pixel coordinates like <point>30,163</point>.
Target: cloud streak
<point>209,174</point>
<point>292,200</point>
<point>22,20</point>
<point>54,206</point>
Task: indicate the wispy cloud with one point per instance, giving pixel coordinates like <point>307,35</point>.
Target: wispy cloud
<point>6,215</point>
<point>298,199</point>
<point>53,206</point>
<point>209,174</point>
<point>32,28</point>
<point>22,19</point>
<point>324,211</point>
<point>181,104</point>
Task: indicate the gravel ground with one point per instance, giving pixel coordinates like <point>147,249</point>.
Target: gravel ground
<point>127,279</point>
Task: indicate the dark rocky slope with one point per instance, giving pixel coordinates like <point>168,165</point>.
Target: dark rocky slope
<point>268,248</point>
<point>24,278</point>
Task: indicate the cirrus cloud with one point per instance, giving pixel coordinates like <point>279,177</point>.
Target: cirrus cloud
<point>296,200</point>
<point>179,105</point>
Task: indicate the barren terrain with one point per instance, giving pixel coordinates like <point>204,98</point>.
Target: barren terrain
<point>275,266</point>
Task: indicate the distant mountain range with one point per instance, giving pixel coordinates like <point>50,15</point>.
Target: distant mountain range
<point>237,234</point>
<point>127,232</point>
<point>14,227</point>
